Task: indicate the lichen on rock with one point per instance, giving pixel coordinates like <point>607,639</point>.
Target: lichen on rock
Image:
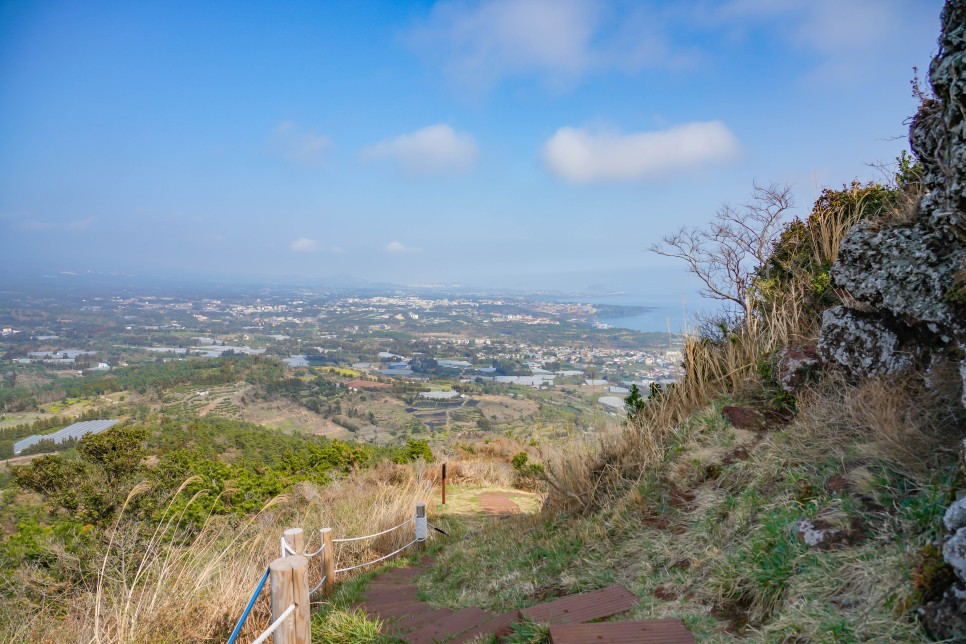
<point>903,279</point>
<point>867,344</point>
<point>905,284</point>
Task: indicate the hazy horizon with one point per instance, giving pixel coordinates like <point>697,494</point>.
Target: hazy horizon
<point>533,144</point>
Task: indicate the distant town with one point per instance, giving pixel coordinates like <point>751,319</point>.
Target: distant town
<point>379,366</point>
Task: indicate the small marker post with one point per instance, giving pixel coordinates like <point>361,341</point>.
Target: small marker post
<point>444,485</point>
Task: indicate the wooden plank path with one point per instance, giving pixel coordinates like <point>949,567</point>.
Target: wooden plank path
<point>584,607</point>
<point>393,598</point>
<point>655,631</point>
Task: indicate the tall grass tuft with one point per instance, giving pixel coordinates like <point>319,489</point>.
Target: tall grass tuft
<point>169,583</point>
<point>784,307</point>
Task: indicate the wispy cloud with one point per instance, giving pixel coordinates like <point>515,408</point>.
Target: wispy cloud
<point>295,144</point>
<point>558,41</point>
<point>304,245</point>
<point>848,38</point>
<point>478,44</point>
<point>583,156</point>
<point>79,225</point>
<point>433,150</point>
<point>398,248</point>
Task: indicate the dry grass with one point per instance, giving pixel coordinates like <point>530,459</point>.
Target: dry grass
<point>722,366</point>
<point>895,421</point>
<point>181,586</point>
<point>583,476</point>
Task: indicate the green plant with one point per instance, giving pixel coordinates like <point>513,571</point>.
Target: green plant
<point>344,626</point>
<point>528,633</point>
<point>635,402</point>
<point>759,570</point>
<point>414,450</point>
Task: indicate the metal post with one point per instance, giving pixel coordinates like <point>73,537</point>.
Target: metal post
<point>421,526</point>
<point>444,485</point>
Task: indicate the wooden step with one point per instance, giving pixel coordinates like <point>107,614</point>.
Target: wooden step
<point>403,609</point>
<point>410,571</point>
<point>584,607</point>
<point>654,631</point>
<point>499,626</point>
<point>406,624</point>
<point>447,627</point>
<point>389,594</point>
<point>392,610</point>
<point>414,611</point>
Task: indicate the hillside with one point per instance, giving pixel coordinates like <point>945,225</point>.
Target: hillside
<point>801,482</point>
<point>802,479</point>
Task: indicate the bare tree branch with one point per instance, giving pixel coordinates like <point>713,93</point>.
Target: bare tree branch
<point>725,254</point>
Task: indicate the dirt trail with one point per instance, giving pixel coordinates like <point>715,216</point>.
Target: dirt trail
<point>474,506</point>
<point>498,503</point>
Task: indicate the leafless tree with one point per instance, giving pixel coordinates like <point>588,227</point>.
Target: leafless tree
<point>725,253</point>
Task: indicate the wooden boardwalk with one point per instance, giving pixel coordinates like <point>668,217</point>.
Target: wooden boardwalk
<point>392,597</point>
<point>655,631</point>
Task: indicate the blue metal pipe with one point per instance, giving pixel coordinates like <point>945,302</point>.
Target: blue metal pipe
<point>248,609</point>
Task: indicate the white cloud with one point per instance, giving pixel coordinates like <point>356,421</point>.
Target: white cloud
<point>559,40</point>
<point>289,141</point>
<point>304,245</point>
<point>582,156</point>
<point>398,248</point>
<point>433,150</point>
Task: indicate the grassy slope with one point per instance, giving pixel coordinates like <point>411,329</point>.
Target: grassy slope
<point>711,537</point>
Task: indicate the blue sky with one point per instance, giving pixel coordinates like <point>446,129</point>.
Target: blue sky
<point>535,143</point>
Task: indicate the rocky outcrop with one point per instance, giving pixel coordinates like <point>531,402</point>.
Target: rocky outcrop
<point>906,287</point>
<point>907,282</point>
<point>867,344</point>
<point>945,617</point>
<point>794,365</point>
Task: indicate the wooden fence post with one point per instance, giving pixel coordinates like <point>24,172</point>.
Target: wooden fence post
<point>295,539</point>
<point>421,528</point>
<point>289,584</point>
<point>328,562</point>
<point>302,617</point>
<point>444,485</point>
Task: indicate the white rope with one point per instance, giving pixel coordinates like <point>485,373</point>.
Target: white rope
<point>379,559</point>
<point>278,622</point>
<point>370,536</point>
<point>312,592</point>
<point>286,548</point>
<point>312,554</point>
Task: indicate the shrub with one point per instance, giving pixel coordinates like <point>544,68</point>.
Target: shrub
<point>414,449</point>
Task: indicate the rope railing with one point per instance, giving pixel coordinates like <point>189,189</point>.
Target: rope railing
<point>289,577</point>
<point>321,581</point>
<point>274,626</point>
<point>370,536</point>
<point>286,548</point>
<point>248,609</point>
<point>369,563</point>
<point>312,554</point>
